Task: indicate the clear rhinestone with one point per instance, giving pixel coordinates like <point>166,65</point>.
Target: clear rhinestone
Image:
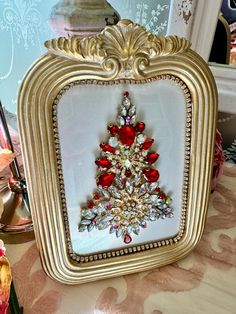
<point>129,229</point>
<point>104,192</point>
<point>102,207</point>
<point>127,163</point>
<point>152,217</point>
<point>127,70</point>
<point>153,199</point>
<point>133,119</point>
<point>119,232</point>
<point>119,182</point>
<point>136,230</point>
<point>137,180</point>
<point>168,211</point>
<point>129,187</point>
<point>113,141</point>
<point>143,224</point>
<point>143,188</point>
<point>126,102</point>
<point>153,186</point>
<point>82,228</point>
<point>107,218</point>
<point>88,214</point>
<point>132,111</point>
<point>115,192</point>
<point>112,229</point>
<point>85,222</point>
<point>121,120</point>
<point>90,227</point>
<point>123,111</point>
<point>141,138</point>
<point>103,225</point>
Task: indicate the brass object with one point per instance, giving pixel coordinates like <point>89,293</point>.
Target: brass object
<point>122,54</point>
<point>15,218</point>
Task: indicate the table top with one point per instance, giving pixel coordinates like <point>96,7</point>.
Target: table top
<point>203,282</point>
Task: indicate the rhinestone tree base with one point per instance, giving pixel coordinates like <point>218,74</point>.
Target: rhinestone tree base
<point>128,193</point>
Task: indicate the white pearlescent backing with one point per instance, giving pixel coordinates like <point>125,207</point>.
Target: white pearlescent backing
<point>84,112</point>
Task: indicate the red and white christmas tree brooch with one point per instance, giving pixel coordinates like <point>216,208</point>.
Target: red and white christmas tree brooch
<point>128,193</point>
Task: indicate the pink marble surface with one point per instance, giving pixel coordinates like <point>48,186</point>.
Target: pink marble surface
<point>203,282</point>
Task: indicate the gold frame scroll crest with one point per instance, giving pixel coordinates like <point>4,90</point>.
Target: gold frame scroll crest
<point>126,48</point>
<point>122,54</point>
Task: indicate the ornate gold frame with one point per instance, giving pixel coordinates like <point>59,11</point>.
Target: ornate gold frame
<point>121,53</point>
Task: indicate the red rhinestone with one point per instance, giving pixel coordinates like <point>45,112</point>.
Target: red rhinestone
<point>106,179</point>
<point>103,163</point>
<point>113,129</point>
<point>107,148</point>
<point>140,126</point>
<point>128,173</point>
<point>126,94</point>
<point>147,144</point>
<point>127,135</point>
<point>151,174</point>
<point>96,197</point>
<point>127,238</point>
<point>158,189</point>
<point>162,196</point>
<point>90,205</point>
<point>108,206</point>
<point>152,157</point>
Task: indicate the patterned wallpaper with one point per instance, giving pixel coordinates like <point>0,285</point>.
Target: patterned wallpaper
<point>24,28</point>
<point>151,13</point>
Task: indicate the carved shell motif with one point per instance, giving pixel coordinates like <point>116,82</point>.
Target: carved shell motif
<point>126,44</point>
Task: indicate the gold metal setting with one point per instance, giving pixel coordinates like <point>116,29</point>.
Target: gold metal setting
<point>124,53</point>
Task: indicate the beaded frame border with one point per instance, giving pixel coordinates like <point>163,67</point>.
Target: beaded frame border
<point>135,248</point>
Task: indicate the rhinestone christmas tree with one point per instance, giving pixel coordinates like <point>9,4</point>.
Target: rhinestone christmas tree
<point>128,194</point>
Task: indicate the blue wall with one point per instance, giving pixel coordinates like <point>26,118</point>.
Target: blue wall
<point>24,28</point>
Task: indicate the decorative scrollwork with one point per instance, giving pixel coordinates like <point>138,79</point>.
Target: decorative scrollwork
<point>126,42</point>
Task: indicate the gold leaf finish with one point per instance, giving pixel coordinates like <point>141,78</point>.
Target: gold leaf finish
<point>125,45</point>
